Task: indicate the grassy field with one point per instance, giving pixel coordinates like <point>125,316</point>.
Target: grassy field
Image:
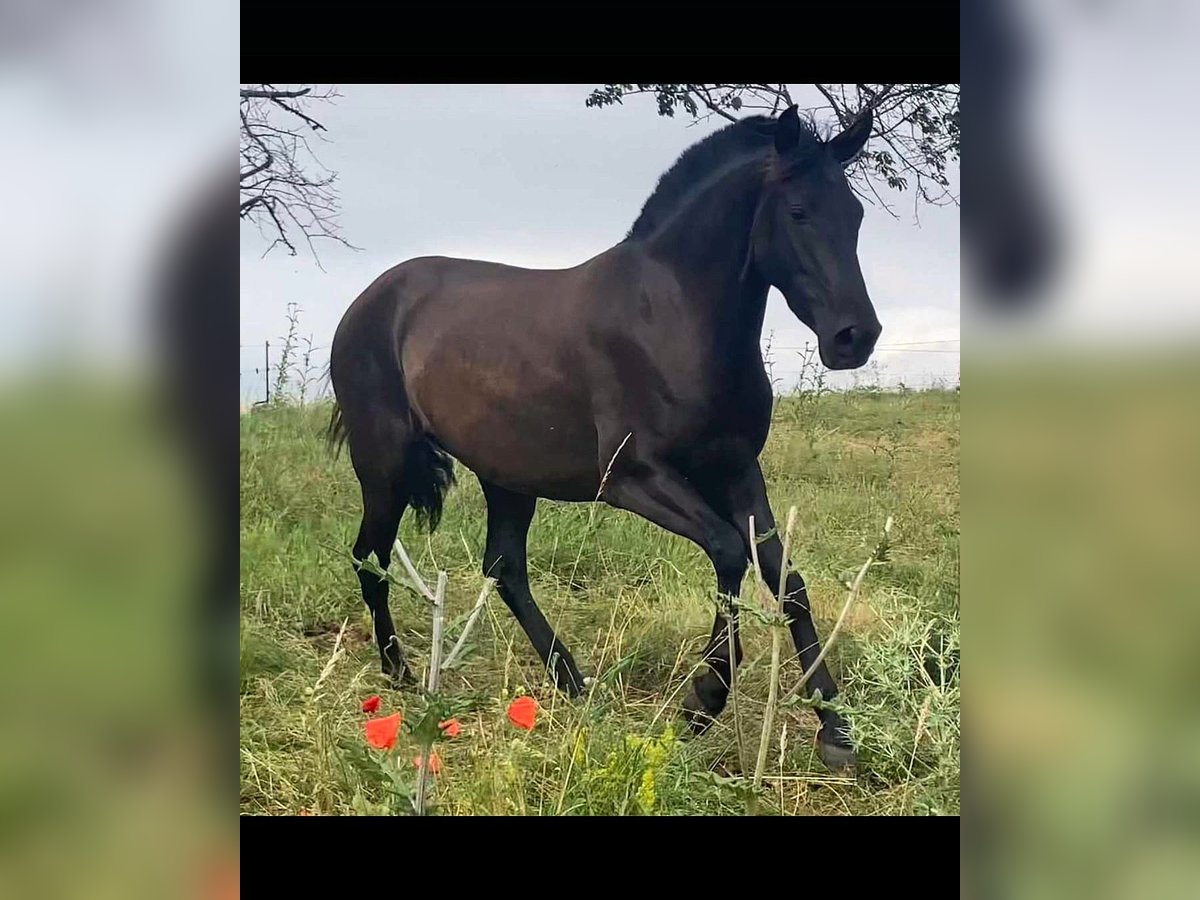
<point>635,605</point>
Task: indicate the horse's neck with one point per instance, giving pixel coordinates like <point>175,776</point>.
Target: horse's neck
<point>707,243</point>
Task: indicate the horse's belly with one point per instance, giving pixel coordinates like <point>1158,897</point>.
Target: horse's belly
<point>540,458</point>
<point>540,442</point>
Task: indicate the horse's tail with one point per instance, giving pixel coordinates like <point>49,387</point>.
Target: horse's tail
<point>428,477</point>
<point>426,471</point>
<point>395,458</point>
<point>335,434</point>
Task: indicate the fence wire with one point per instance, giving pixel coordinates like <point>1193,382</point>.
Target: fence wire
<point>791,369</point>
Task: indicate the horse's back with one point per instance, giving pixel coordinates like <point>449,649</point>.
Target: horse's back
<point>490,358</point>
<point>502,363</point>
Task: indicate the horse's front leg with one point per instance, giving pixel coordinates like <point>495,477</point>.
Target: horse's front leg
<point>657,492</point>
<point>747,496</point>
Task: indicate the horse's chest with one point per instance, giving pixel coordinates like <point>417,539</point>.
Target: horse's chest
<point>742,407</point>
<point>727,430</point>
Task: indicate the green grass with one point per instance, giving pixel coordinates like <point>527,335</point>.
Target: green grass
<point>635,606</point>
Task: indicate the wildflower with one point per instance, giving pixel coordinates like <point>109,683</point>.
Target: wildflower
<point>522,712</point>
<point>646,794</point>
<point>381,733</point>
<point>371,704</point>
<point>450,728</point>
<point>654,754</point>
<point>435,762</point>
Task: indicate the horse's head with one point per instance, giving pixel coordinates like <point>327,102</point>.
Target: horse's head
<point>805,239</point>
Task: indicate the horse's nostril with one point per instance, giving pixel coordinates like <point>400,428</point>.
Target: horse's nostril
<point>844,339</point>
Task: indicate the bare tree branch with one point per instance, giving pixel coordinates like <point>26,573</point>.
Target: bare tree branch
<point>838,108</point>
<point>273,95</point>
<point>702,92</point>
<point>312,123</point>
<point>285,188</point>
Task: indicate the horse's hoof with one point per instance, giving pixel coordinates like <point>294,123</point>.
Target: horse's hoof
<point>570,683</point>
<point>394,679</point>
<point>697,717</point>
<point>565,675</point>
<point>394,665</point>
<point>398,676</point>
<point>837,757</point>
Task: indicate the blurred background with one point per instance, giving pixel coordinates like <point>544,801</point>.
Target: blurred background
<point>119,269</point>
<point>1079,487</point>
<point>118,266</point>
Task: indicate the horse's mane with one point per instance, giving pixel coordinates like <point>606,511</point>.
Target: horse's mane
<point>694,166</point>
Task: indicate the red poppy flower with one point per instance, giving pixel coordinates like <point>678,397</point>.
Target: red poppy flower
<point>450,728</point>
<point>522,712</point>
<point>371,704</point>
<point>435,762</point>
<point>381,733</point>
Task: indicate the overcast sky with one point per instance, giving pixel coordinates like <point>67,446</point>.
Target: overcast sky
<point>527,175</point>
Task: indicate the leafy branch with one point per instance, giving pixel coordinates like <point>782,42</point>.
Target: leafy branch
<point>915,134</point>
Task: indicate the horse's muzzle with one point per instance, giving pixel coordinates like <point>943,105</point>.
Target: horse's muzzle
<point>850,346</point>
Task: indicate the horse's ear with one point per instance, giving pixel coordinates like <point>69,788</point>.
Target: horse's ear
<point>847,144</point>
<point>787,130</point>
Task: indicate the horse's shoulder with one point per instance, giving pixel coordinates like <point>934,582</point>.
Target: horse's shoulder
<point>641,273</point>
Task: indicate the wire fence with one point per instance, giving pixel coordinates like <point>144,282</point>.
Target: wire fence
<point>299,371</point>
<point>296,371</point>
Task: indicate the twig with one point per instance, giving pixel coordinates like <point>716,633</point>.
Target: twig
<point>608,471</point>
<point>592,511</point>
<point>783,565</point>
<point>862,573</point>
<point>737,720</point>
<point>837,109</point>
<point>782,750</point>
<point>708,101</point>
<point>435,668</point>
<point>418,583</point>
<point>488,583</point>
<point>776,638</point>
<point>333,657</point>
<point>921,716</point>
<point>759,582</point>
<point>439,618</point>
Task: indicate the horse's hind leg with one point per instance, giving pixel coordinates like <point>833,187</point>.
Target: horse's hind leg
<point>378,440</point>
<point>383,507</point>
<point>509,516</point>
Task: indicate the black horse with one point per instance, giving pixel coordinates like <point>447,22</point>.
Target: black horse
<point>635,378</point>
